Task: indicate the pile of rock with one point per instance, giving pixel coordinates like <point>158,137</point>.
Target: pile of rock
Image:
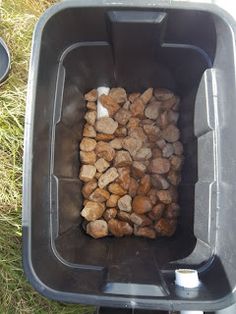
<point>131,164</point>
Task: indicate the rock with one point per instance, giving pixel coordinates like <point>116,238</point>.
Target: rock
<point>178,148</point>
<point>145,232</point>
<point>144,185</point>
<point>159,165</point>
<point>121,132</point>
<point>85,202</point>
<point>156,152</point>
<point>124,177</point>
<point>101,164</point>
<point>137,108</point>
<point>97,229</point>
<point>176,105</point>
<point>138,169</point>
<point>174,177</point>
<point>140,220</point>
<point>133,96</point>
<point>138,133</point>
<point>87,157</point>
<point>110,213</point>
<point>119,228</point>
<point>152,110</point>
<point>176,162</point>
<point>132,145</point>
<point>157,212</point>
<point>124,203</point>
<point>144,153</point>
<point>87,144</point>
<point>109,176</point>
<point>110,104</point>
<point>118,94</point>
<point>106,125</point>
<point>122,159</point>
<point>115,188</point>
<point>171,133</point>
<point>152,194</point>
<point>172,211</point>
<point>89,131</point>
<point>87,173</point>
<point>133,187</point>
<point>161,143</point>
<point>99,195</point>
<point>89,187</point>
<point>122,116</point>
<point>151,129</point>
<point>163,94</point>
<point>173,116</point>
<point>133,123</point>
<point>169,103</point>
<point>159,182</point>
<point>91,105</point>
<point>141,204</point>
<point>98,175</point>
<point>147,95</point>
<point>112,201</point>
<point>165,227</point>
<point>92,211</point>
<point>91,95</point>
<point>165,196</point>
<point>116,143</point>
<point>173,193</point>
<point>168,150</point>
<point>124,216</point>
<point>163,120</point>
<point>104,150</point>
<point>90,117</point>
<point>104,137</point>
<point>126,105</point>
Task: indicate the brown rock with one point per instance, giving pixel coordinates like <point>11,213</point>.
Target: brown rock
<point>89,131</point>
<point>122,159</point>
<point>157,212</point>
<point>85,202</point>
<point>124,216</point>
<point>122,116</point>
<point>126,105</point>
<point>133,96</point>
<point>104,137</point>
<point>141,204</point>
<point>87,157</point>
<point>152,194</point>
<point>87,173</point>
<point>165,196</point>
<point>91,105</point>
<point>151,129</point>
<point>89,187</point>
<point>174,177</point>
<point>92,211</point>
<point>178,148</point>
<point>138,133</point>
<point>137,108</point>
<point>106,125</point>
<point>112,201</point>
<point>98,175</point>
<point>159,182</point>
<point>104,150</point>
<point>115,188</point>
<point>133,123</point>
<point>133,187</point>
<point>161,143</point>
<point>140,220</point>
<point>109,176</point>
<point>173,193</point>
<point>101,164</point>
<point>91,95</point>
<point>176,162</point>
<point>119,228</point>
<point>97,229</point>
<point>163,120</point>
<point>110,213</point>
<point>159,165</point>
<point>132,145</point>
<point>110,104</point>
<point>147,95</point>
<point>172,211</point>
<point>156,152</point>
<point>138,169</point>
<point>153,109</point>
<point>144,185</point>
<point>145,232</point>
<point>169,103</point>
<point>124,203</point>
<point>116,143</point>
<point>99,195</point>
<point>165,227</point>
<point>121,132</point>
<point>171,133</point>
<point>173,116</point>
<point>163,94</point>
<point>87,144</point>
<point>168,150</point>
<point>124,177</point>
<point>144,153</point>
<point>118,94</point>
<point>90,117</point>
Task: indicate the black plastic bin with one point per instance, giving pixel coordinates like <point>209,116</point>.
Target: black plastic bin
<point>79,46</point>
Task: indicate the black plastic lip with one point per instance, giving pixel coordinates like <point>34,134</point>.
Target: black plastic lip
<point>5,63</point>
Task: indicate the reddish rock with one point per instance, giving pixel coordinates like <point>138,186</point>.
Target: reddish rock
<point>165,227</point>
<point>87,144</point>
<point>104,137</point>
<point>161,143</point>
<point>159,182</point>
<point>163,120</point>
<point>141,204</point>
<point>159,165</point>
<point>121,132</point>
<point>118,94</point>
<point>172,211</point>
<point>168,150</point>
<point>140,220</point>
<point>147,95</point>
<point>91,105</point>
<point>97,229</point>
<point>176,162</point>
<point>124,177</point>
<point>106,125</point>
<point>122,159</point>
<point>174,177</point>
<point>133,96</point>
<point>138,169</point>
<point>145,232</point>
<point>89,187</point>
<point>124,216</point>
<point>165,196</point>
<point>122,116</point>
<point>112,201</point>
<point>92,211</point>
<point>152,194</point>
<point>91,95</point>
<point>116,143</point>
<point>144,185</point>
<point>133,123</point>
<point>110,104</point>
<point>171,133</point>
<point>144,153</point>
<point>90,117</point>
<point>89,131</point>
<point>104,150</point>
<point>138,133</point>
<point>115,188</point>
<point>132,145</point>
<point>99,195</point>
<point>137,108</point>
<point>156,152</point>
<point>87,157</point>
<point>178,148</point>
<point>110,213</point>
<point>133,187</point>
<point>119,228</point>
<point>152,110</point>
<point>157,212</point>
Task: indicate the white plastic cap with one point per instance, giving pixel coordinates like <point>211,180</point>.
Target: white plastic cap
<point>187,278</point>
<point>102,111</point>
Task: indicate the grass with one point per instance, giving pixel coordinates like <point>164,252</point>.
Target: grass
<point>18,18</point>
